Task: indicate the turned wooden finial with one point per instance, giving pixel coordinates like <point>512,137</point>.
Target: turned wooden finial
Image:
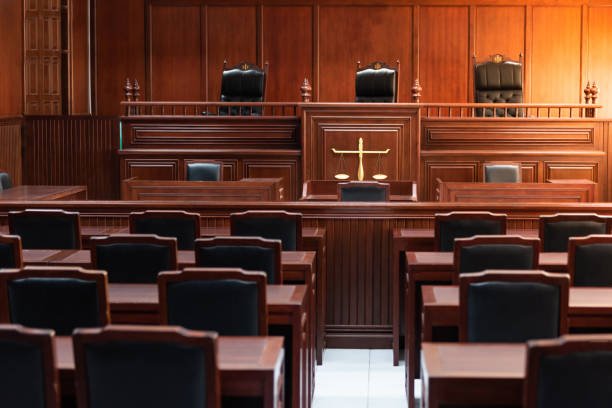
<point>306,89</point>
<point>136,88</point>
<point>416,91</point>
<point>127,88</point>
<point>587,93</point>
<point>594,92</point>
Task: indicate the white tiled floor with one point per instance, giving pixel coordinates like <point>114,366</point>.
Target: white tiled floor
<point>359,379</point>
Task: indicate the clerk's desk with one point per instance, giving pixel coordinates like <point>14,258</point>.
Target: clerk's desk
<point>327,190</point>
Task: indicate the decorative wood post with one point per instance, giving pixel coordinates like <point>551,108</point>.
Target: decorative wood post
<point>591,93</point>
<point>416,91</point>
<point>136,88</point>
<point>306,89</point>
<point>127,88</point>
<point>587,93</point>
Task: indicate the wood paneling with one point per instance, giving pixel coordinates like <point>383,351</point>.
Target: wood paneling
<point>556,55</point>
<point>490,39</point>
<point>74,150</point>
<point>599,58</point>
<point>79,102</point>
<point>10,152</point>
<point>443,53</point>
<point>366,34</point>
<point>287,46</point>
<point>176,53</point>
<point>11,57</point>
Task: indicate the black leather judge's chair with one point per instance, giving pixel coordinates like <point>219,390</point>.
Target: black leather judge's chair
<point>281,225</point>
<point>248,253</point>
<point>136,258</point>
<point>498,81</point>
<point>5,181</point>
<point>28,376</point>
<point>376,82</point>
<point>372,191</point>
<point>204,171</point>
<point>571,371</point>
<point>463,224</point>
<point>512,306</point>
<point>482,252</point>
<point>57,298</point>
<point>244,82</point>
<point>46,229</point>
<point>10,251</point>
<point>501,173</point>
<point>555,230</point>
<point>183,226</point>
<point>589,260</point>
<point>231,302</point>
<point>146,366</point>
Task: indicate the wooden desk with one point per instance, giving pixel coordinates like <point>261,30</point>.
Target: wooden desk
<point>327,190</point>
<point>248,367</point>
<point>472,374</point>
<point>437,267</point>
<point>44,193</point>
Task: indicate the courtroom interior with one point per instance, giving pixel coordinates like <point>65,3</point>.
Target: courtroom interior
<point>305,203</point>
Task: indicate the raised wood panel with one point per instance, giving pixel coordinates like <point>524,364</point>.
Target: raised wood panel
<point>443,53</point>
<point>287,46</point>
<point>176,53</point>
<point>571,171</point>
<point>79,57</point>
<point>232,36</point>
<point>349,34</point>
<point>10,153</point>
<point>151,169</point>
<point>556,55</point>
<point>446,171</point>
<point>287,169</point>
<point>11,57</point>
<point>599,58</point>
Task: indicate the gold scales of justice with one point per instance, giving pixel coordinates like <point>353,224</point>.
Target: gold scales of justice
<point>341,175</point>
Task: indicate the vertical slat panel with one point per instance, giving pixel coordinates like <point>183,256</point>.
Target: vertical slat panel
<point>10,147</point>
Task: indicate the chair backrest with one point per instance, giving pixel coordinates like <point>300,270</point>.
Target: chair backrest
<point>243,82</point>
<point>589,260</point>
<point>133,258</point>
<point>46,229</point>
<point>498,81</point>
<point>204,171</point>
<point>5,181</point>
<point>10,251</point>
<point>501,173</point>
<point>555,230</point>
<point>463,224</point>
<point>231,302</point>
<point>182,225</point>
<point>376,82</point>
<point>142,366</point>
<point>58,298</point>
<point>281,225</point>
<point>28,376</point>
<point>512,306</point>
<point>571,371</point>
<point>482,252</point>
<point>248,253</point>
<point>363,191</point>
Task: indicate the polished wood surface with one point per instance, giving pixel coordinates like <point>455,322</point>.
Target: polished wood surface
<point>44,193</point>
<point>327,190</point>
<point>11,57</point>
<point>11,142</point>
<point>249,366</point>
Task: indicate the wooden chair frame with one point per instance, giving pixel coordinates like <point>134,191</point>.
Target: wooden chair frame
<point>560,217</point>
<point>15,241</point>
<point>574,243</point>
<point>360,184</point>
<point>274,244</point>
<point>72,216</point>
<point>560,280</point>
<point>296,217</point>
<point>376,65</point>
<point>206,274</point>
<point>467,215</point>
<point>187,162</point>
<point>169,214</point>
<point>135,239</point>
<point>207,341</point>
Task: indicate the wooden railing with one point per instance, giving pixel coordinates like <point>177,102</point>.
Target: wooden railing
<point>507,110</point>
<point>221,109</point>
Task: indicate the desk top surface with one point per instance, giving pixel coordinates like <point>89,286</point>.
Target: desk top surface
<point>39,193</point>
<point>433,258</point>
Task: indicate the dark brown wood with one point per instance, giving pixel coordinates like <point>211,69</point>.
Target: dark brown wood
<point>67,216</point>
<point>44,193</point>
<point>11,61</point>
<point>212,274</point>
<point>327,190</point>
<point>15,242</point>
<point>11,140</point>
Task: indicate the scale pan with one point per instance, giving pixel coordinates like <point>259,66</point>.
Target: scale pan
<point>341,176</point>
<point>379,176</point>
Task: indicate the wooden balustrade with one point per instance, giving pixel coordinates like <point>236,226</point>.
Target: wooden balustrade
<point>191,109</point>
<point>507,110</point>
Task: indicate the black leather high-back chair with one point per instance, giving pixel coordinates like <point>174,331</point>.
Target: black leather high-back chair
<point>183,226</point>
<point>463,224</point>
<point>244,82</point>
<point>512,306</point>
<point>498,81</point>
<point>589,260</point>
<point>10,251</point>
<point>501,173</point>
<point>231,302</point>
<point>248,253</point>
<point>46,229</point>
<point>376,82</point>
<point>555,230</point>
<point>281,225</point>
<point>136,258</point>
<point>572,371</point>
<point>5,181</point>
<point>371,191</point>
<point>482,252</point>
<point>28,377</point>
<point>146,366</point>
<point>58,298</point>
<point>204,171</point>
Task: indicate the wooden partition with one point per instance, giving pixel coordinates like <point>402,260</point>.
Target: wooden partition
<point>10,147</point>
<point>327,190</point>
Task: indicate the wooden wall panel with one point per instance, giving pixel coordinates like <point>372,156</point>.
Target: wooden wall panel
<point>10,152</point>
<point>11,57</point>
<point>374,33</point>
<point>287,46</point>
<point>176,53</point>
<point>79,80</point>
<point>599,58</point>
<point>556,55</point>
<point>443,53</point>
<point>232,36</point>
<point>490,39</point>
